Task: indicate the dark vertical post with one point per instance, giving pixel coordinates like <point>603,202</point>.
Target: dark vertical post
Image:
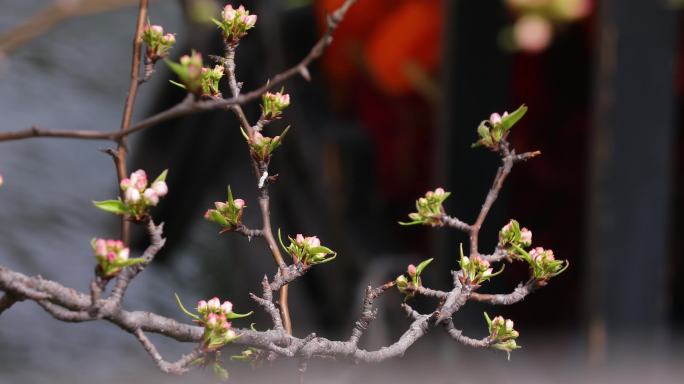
<point>630,170</point>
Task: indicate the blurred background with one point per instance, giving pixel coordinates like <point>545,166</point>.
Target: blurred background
<point>390,113</point>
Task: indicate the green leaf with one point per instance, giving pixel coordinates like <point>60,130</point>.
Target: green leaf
<point>218,218</point>
<point>422,266</point>
<point>162,176</point>
<point>230,196</point>
<point>177,84</point>
<point>180,304</point>
<point>244,134</point>
<point>489,321</point>
<point>129,262</point>
<point>320,249</point>
<point>234,315</point>
<point>509,121</point>
<point>112,206</point>
<point>220,372</point>
<point>218,23</point>
<point>567,264</point>
<point>280,240</point>
<point>411,223</point>
<point>483,129</point>
<point>331,258</point>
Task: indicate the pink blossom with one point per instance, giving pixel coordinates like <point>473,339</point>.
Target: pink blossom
<point>439,192</point>
<point>207,214</point>
<point>526,236</point>
<point>100,247</point>
<point>228,13</point>
<point>157,29</point>
<point>299,239</point>
<point>507,227</point>
<point>123,254</point>
<point>125,184</point>
<point>132,195</point>
<point>257,138</point>
<point>411,270</point>
<point>160,188</point>
<point>151,197</point>
<point>214,304</point>
<point>220,205</point>
<point>169,38</point>
<point>509,325</point>
<point>249,21</point>
<point>239,203</point>
<point>313,241</point>
<point>111,256</point>
<point>201,306</point>
<point>212,320</point>
<point>139,179</point>
<point>227,307</point>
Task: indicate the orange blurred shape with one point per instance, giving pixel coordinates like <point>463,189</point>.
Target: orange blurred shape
<point>409,35</point>
<point>391,35</point>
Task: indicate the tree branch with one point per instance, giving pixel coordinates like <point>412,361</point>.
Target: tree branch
<point>517,295</point>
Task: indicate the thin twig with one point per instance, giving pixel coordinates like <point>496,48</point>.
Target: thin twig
<point>518,294</point>
<point>121,171</point>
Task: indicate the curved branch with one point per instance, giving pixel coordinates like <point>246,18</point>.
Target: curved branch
<point>518,294</point>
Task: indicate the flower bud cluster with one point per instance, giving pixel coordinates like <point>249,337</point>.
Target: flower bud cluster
<point>407,282</point>
<point>543,264</point>
<point>501,334</point>
<point>210,80</point>
<point>429,209</point>
<point>511,236</point>
<point>189,72</point>
<point>261,147</point>
<point>112,256</point>
<point>273,104</point>
<point>307,250</point>
<point>476,270</point>
<point>235,23</point>
<point>158,43</point>
<point>138,197</point>
<point>495,130</point>
<point>214,317</point>
<point>228,214</point>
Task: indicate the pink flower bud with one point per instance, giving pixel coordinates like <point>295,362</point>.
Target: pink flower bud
<point>299,239</point>
<point>230,333</point>
<point>411,270</point>
<point>249,21</point>
<point>132,196</point>
<point>125,184</point>
<point>123,254</point>
<point>526,237</point>
<point>214,304</point>
<point>201,306</point>
<point>100,247</point>
<point>157,29</point>
<point>160,188</point>
<point>111,256</point>
<point>283,99</point>
<point>227,307</point>
<point>225,325</point>
<point>507,227</point>
<point>313,241</point>
<point>509,325</point>
<point>139,179</point>
<point>495,118</point>
<point>151,197</point>
<point>207,214</point>
<point>212,320</point>
<point>239,203</point>
<point>439,192</point>
<point>228,13</point>
<point>169,39</point>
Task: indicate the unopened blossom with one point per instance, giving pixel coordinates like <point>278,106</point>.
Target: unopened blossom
<point>495,118</point>
<point>214,304</point>
<point>227,307</point>
<point>308,250</point>
<point>429,209</point>
<point>273,104</point>
<point>151,197</point>
<point>411,270</point>
<point>227,214</point>
<point>131,196</point>
<point>202,306</point>
<point>239,203</point>
<point>112,256</point>
<point>526,237</point>
<point>235,23</point>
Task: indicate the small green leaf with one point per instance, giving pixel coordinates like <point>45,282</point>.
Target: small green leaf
<point>177,84</point>
<point>509,121</point>
<point>489,321</point>
<point>218,218</point>
<point>162,176</point>
<point>244,134</point>
<point>218,23</point>
<point>230,195</point>
<point>234,315</point>
<point>280,240</point>
<point>320,249</point>
<point>112,206</point>
<point>220,372</point>
<point>129,262</point>
<point>180,304</point>
<point>410,223</point>
<point>422,266</point>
